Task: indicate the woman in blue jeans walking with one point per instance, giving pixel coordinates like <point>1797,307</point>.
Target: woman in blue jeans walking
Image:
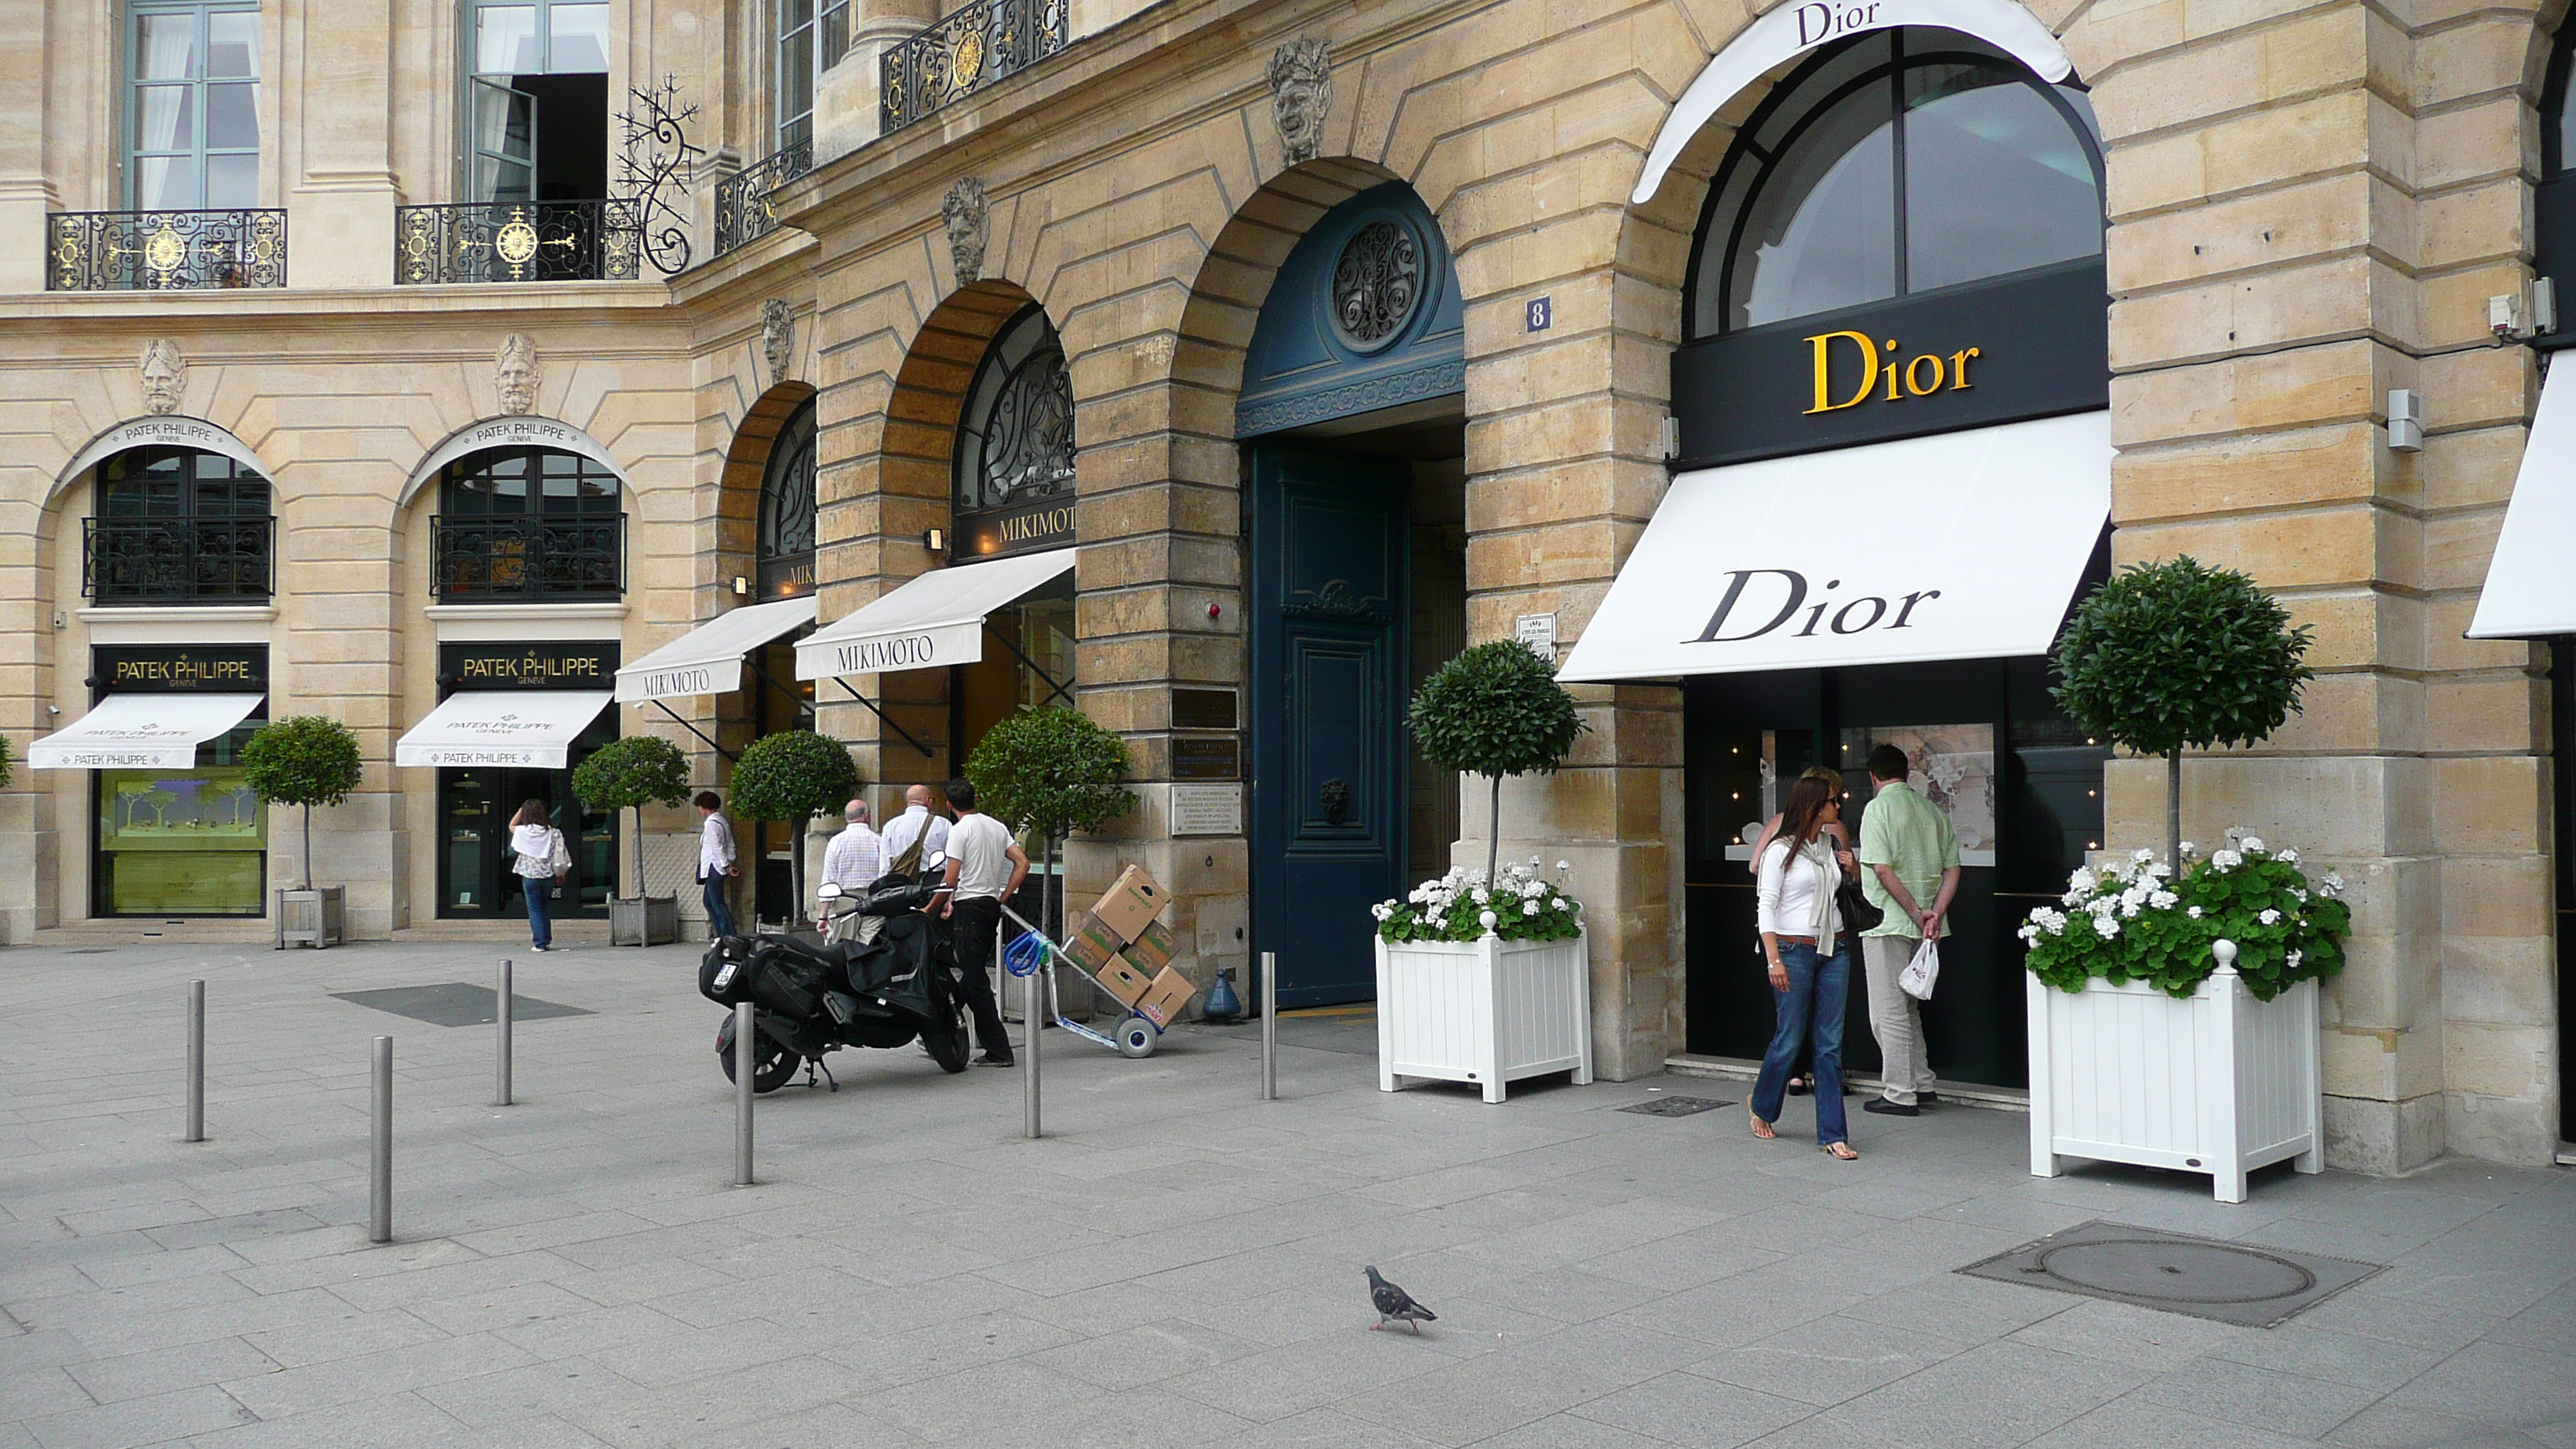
<point>1810,960</point>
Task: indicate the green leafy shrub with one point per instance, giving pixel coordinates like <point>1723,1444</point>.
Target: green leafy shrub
<point>2136,921</point>
<point>306,760</point>
<point>793,775</point>
<point>1050,771</point>
<point>1494,710</point>
<point>2173,656</point>
<point>629,774</point>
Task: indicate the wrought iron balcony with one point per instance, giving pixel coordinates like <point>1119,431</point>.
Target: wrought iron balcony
<point>742,199</point>
<point>970,49</point>
<point>528,558</point>
<point>518,241</point>
<point>139,251</point>
<point>139,561</point>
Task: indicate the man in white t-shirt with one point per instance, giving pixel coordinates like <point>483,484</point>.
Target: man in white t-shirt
<point>853,861</point>
<point>915,826</point>
<point>985,868</point>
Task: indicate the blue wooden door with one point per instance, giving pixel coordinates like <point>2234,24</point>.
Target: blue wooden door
<point>1329,556</point>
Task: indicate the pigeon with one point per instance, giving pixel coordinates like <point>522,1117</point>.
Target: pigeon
<point>1394,1305</point>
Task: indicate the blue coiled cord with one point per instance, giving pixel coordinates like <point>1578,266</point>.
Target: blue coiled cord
<point>1024,956</point>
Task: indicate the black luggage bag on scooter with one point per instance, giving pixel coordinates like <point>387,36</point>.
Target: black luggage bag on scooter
<point>723,976</point>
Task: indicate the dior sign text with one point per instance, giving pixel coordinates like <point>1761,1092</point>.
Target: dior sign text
<point>1783,592</point>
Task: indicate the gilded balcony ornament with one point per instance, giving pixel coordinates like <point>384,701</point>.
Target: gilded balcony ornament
<point>743,212</point>
<point>116,251</point>
<point>969,49</point>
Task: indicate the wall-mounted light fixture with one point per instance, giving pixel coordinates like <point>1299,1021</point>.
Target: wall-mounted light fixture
<point>741,586</point>
<point>2405,420</point>
<point>935,539</point>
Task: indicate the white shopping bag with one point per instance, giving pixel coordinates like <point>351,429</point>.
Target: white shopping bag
<point>1921,973</point>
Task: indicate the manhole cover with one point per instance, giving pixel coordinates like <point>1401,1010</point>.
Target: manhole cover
<point>2203,1277</point>
<point>455,1003</point>
<point>1675,1106</point>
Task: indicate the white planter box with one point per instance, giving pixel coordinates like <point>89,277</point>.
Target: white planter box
<point>651,921</point>
<point>2220,1083</point>
<point>316,918</point>
<point>1487,1012</point>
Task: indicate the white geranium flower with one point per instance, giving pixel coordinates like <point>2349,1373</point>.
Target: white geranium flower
<point>2300,896</point>
<point>2189,849</point>
<point>2105,927</point>
<point>2252,845</point>
<point>1529,908</point>
<point>2269,917</point>
<point>1479,895</point>
<point>2142,856</point>
<point>2332,885</point>
<point>2029,934</point>
<point>2163,900</point>
<point>2080,881</point>
<point>2287,857</point>
<point>2192,911</point>
<point>2295,958</point>
<point>2226,860</point>
<point>2235,832</point>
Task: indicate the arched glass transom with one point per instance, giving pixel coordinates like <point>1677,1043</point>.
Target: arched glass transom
<point>528,523</point>
<point>1903,162</point>
<point>1015,442</point>
<point>785,562</point>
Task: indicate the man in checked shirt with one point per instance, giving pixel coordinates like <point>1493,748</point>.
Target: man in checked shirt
<point>853,861</point>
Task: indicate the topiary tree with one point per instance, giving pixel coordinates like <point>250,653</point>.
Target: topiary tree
<point>1495,710</point>
<point>1050,771</point>
<point>2176,655</point>
<point>307,760</point>
<point>629,774</point>
<point>793,775</point>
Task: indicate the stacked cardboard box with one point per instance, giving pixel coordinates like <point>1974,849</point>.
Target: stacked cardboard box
<point>1129,952</point>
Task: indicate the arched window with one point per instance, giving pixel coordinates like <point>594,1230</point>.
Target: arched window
<point>177,526</point>
<point>785,562</point>
<point>1902,162</point>
<point>2554,202</point>
<point>517,524</point>
<point>1015,445</point>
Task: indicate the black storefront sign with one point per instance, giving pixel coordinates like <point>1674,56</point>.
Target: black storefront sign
<point>2030,346</point>
<point>179,669</point>
<point>1020,528</point>
<point>1207,758</point>
<point>1204,709</point>
<point>579,664</point>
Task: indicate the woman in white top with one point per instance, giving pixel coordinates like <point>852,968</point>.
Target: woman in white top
<point>1809,959</point>
<point>1841,834</point>
<point>537,852</point>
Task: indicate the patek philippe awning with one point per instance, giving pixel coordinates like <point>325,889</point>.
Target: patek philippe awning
<point>531,728</point>
<point>1965,545</point>
<point>930,622</point>
<point>142,732</point>
<point>708,659</point>
<point>2530,591</point>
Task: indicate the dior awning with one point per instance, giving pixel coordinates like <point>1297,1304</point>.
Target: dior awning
<point>530,728</point>
<point>142,732</point>
<point>2530,593</point>
<point>1965,545</point>
<point>708,659</point>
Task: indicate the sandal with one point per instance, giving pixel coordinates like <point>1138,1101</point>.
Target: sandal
<point>1839,1151</point>
<point>1762,1129</point>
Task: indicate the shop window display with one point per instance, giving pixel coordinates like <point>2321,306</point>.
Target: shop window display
<point>182,842</point>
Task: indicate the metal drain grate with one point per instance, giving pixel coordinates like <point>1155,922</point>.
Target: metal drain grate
<point>1675,1106</point>
<point>2202,1277</point>
<point>454,1003</point>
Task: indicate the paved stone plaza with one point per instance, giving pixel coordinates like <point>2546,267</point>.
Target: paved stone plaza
<point>1179,1264</point>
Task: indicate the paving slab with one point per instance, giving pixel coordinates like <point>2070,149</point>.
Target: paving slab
<point>1176,1264</point>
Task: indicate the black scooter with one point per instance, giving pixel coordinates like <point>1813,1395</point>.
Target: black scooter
<point>811,999</point>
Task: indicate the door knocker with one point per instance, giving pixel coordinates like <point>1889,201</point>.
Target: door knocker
<point>1336,801</point>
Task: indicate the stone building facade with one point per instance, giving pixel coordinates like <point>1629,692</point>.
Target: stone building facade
<point>2306,206</point>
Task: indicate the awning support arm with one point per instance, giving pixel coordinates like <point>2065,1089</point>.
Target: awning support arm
<point>803,705</point>
<point>887,719</point>
<point>1032,664</point>
<point>693,729</point>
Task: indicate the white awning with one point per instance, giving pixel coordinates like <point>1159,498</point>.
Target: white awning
<point>142,732</point>
<point>2530,592</point>
<point>930,622</point>
<point>1964,545</point>
<point>708,659</point>
<point>533,728</point>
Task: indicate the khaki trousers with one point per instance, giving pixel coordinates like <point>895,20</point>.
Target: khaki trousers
<point>1896,1019</point>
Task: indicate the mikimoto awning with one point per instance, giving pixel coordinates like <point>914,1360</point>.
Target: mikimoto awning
<point>2530,592</point>
<point>708,659</point>
<point>929,622</point>
<point>533,728</point>
<point>1965,545</point>
<point>142,732</point>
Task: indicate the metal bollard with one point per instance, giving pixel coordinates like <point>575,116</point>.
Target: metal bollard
<point>1270,1026</point>
<point>1032,1013</point>
<point>744,1064</point>
<point>380,1153</point>
<point>196,1061</point>
<point>501,1035</point>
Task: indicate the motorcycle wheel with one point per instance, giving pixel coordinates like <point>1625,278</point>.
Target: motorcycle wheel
<point>945,1038</point>
<point>1136,1038</point>
<point>773,1066</point>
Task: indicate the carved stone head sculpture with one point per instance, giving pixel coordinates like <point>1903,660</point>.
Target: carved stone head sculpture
<point>778,339</point>
<point>165,376</point>
<point>515,375</point>
<point>1301,96</point>
<point>968,228</point>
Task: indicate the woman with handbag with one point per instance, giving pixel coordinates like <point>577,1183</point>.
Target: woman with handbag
<point>1808,952</point>
<point>537,851</point>
<point>1858,914</point>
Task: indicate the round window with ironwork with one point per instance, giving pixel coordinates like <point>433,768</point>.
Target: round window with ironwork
<point>1377,284</point>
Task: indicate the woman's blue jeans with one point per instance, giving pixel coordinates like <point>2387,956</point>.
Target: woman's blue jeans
<point>541,919</point>
<point>1812,1006</point>
<point>719,914</point>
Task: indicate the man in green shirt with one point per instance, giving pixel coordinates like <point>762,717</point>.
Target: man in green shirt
<point>1913,870</point>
